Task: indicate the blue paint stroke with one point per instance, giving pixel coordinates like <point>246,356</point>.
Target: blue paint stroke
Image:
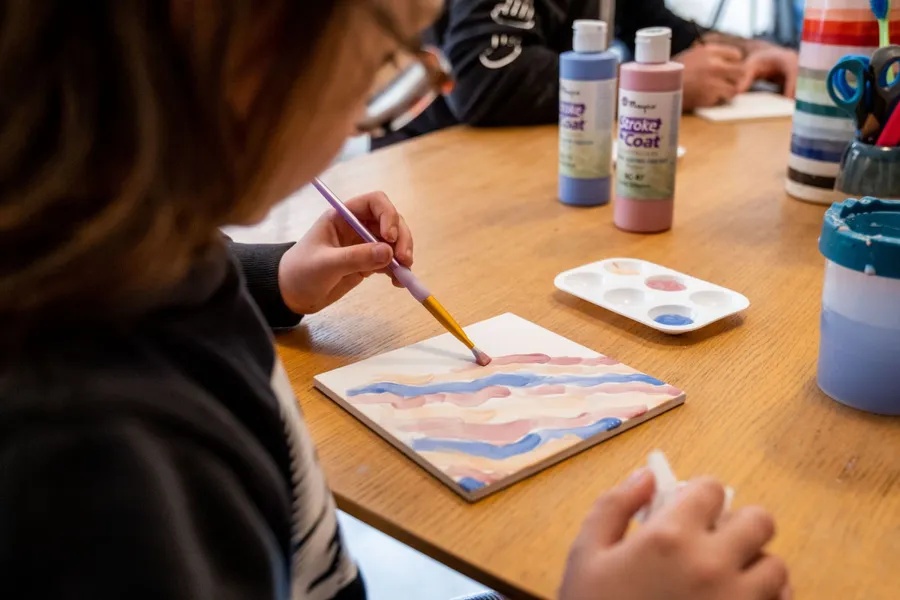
<point>475,448</point>
<point>469,484</point>
<point>523,446</point>
<point>509,380</point>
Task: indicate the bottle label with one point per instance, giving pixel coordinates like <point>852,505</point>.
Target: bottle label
<point>647,146</point>
<point>586,115</point>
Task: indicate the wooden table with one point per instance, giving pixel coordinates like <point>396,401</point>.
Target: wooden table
<point>491,236</point>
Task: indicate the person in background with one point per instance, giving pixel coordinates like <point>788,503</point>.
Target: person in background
<point>150,443</point>
<point>505,58</point>
<point>799,9</point>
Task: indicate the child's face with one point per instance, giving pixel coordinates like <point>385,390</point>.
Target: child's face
<point>330,100</point>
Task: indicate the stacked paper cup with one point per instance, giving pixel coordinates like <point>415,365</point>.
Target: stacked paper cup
<point>821,131</point>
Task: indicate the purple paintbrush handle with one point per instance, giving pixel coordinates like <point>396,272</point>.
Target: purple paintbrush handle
<point>403,275</point>
<point>345,212</point>
<point>410,281</point>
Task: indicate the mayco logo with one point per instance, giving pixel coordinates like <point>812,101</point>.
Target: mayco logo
<point>629,103</point>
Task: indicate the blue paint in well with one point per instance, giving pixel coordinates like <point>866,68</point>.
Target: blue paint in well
<point>470,484</point>
<point>510,380</point>
<point>524,445</point>
<point>674,320</point>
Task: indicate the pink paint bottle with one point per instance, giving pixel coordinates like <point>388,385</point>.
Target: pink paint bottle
<point>650,91</point>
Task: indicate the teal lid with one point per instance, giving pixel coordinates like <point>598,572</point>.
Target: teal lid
<point>863,235</point>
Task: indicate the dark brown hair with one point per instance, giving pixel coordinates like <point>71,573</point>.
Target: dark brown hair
<point>119,153</point>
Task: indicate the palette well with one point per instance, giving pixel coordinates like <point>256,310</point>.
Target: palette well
<point>658,297</point>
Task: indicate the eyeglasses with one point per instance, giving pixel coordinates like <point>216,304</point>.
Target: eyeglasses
<point>404,87</point>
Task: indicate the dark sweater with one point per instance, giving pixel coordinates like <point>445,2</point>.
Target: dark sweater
<point>165,456</point>
<point>505,57</point>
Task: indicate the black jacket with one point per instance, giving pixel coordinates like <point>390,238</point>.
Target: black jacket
<point>165,457</point>
<point>505,57</point>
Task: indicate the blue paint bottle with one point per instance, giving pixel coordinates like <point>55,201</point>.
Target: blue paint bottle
<point>587,106</point>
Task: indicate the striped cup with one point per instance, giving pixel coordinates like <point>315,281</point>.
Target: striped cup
<point>821,130</point>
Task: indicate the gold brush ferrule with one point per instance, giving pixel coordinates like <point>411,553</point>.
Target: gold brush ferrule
<point>443,317</point>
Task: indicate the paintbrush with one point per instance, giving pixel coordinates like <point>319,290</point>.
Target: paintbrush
<point>405,276</point>
<point>881,9</point>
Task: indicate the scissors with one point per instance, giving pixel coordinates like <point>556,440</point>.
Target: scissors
<point>850,85</point>
<point>885,82</point>
<point>867,89</point>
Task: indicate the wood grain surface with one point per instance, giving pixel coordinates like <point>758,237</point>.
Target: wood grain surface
<point>491,236</point>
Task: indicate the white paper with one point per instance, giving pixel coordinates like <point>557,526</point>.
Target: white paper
<point>749,106</point>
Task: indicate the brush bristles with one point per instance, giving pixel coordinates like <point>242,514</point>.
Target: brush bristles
<point>481,358</point>
<point>880,8</point>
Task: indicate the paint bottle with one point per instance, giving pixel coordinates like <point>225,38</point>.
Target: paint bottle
<point>587,104</point>
<point>647,149</point>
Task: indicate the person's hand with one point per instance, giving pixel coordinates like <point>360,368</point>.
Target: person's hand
<point>331,259</point>
<point>680,553</point>
<point>712,74</point>
<point>772,63</point>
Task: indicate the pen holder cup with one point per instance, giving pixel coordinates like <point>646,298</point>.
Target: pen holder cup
<point>859,347</point>
<point>868,170</point>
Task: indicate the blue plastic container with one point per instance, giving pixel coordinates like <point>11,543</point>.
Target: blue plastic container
<point>859,350</point>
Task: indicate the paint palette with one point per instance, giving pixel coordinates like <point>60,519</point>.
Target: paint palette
<point>658,297</point>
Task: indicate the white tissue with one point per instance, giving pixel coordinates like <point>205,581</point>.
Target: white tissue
<point>667,486</point>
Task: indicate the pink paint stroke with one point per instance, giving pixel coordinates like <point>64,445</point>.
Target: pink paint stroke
<point>543,359</point>
<point>553,389</point>
<point>636,387</point>
<point>574,391</point>
<point>467,400</point>
<point>512,431</point>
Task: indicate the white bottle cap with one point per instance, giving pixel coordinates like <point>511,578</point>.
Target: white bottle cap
<point>653,45</point>
<point>590,36</point>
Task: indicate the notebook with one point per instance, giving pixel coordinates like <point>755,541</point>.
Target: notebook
<point>748,106</point>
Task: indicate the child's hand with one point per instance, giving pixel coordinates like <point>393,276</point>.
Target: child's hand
<point>331,259</point>
<point>712,73</point>
<point>772,63</point>
<point>678,554</point>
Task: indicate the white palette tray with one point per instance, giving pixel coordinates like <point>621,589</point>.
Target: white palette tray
<point>658,297</point>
